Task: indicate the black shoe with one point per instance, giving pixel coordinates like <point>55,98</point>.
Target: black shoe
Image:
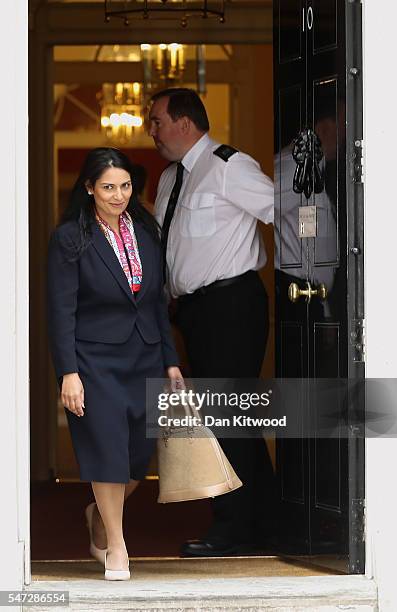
<point>208,548</point>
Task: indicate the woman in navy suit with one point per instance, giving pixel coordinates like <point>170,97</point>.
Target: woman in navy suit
<point>109,331</point>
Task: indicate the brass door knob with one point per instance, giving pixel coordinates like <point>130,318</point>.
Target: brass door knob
<point>294,292</point>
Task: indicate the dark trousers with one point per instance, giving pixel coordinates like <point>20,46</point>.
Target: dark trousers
<point>225,333</point>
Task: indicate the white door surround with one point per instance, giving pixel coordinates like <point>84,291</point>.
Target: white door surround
<point>380,239</point>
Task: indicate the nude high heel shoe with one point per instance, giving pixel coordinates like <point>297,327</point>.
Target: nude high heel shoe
<point>116,574</point>
<point>97,553</point>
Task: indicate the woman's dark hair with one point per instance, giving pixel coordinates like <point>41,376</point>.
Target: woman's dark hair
<point>140,177</point>
<point>184,102</point>
<point>81,206</point>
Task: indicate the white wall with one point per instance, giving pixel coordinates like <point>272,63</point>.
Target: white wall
<point>380,138</point>
<point>380,19</point>
<point>13,293</point>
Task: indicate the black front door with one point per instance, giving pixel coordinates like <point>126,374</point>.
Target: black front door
<point>318,226</point>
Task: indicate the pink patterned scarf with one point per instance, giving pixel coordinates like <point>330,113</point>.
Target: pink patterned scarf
<point>125,247</point>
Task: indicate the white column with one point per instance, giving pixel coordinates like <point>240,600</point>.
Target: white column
<point>380,141</point>
<point>13,294</point>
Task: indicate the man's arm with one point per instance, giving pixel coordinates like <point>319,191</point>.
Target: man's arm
<point>248,188</point>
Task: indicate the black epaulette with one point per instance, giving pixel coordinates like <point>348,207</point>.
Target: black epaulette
<point>225,152</point>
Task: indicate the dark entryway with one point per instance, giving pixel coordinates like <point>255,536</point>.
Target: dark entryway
<point>317,53</point>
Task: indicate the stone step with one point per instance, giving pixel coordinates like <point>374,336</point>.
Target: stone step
<point>248,594</point>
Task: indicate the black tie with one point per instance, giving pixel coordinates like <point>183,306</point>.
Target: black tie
<point>169,213</point>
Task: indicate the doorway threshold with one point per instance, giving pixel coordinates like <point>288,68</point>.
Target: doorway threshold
<point>238,583</point>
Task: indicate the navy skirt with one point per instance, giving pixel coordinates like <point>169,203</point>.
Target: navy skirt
<point>110,440</point>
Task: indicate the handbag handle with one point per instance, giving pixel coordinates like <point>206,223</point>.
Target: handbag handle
<point>190,411</point>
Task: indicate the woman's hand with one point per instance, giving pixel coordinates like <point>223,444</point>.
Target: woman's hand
<point>176,378</point>
<point>72,394</point>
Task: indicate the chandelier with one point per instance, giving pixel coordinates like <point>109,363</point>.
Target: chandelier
<point>123,105</point>
<point>165,9</point>
<point>121,110</point>
<point>163,65</point>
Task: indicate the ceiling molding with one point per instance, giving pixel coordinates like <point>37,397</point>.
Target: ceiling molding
<point>69,23</point>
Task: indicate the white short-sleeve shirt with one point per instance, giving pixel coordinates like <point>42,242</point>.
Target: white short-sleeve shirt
<point>213,234</point>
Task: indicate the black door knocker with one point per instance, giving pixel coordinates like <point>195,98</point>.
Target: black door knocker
<point>307,154</point>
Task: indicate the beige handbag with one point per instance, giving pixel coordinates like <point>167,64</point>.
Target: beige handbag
<point>192,464</point>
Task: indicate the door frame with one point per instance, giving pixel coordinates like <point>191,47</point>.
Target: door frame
<point>14,307</point>
<point>355,278</point>
<point>380,221</point>
<point>14,375</point>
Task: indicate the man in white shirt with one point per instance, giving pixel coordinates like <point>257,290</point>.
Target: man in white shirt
<point>208,203</point>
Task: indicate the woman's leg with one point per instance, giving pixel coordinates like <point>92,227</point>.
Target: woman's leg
<point>110,500</point>
<point>98,527</point>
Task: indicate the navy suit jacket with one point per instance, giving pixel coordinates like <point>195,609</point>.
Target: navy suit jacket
<point>89,298</point>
